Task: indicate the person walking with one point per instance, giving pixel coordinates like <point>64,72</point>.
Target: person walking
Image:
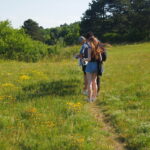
<point>103,58</point>
<point>94,56</point>
<point>83,54</point>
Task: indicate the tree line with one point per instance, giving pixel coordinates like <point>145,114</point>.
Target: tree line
<point>32,42</point>
<point>110,20</point>
<point>65,34</point>
<point>118,20</point>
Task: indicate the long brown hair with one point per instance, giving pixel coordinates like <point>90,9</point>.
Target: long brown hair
<point>95,47</point>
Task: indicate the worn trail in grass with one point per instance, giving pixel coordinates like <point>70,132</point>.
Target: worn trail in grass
<point>99,117</point>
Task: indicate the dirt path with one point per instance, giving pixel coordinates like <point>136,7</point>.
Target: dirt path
<point>98,115</point>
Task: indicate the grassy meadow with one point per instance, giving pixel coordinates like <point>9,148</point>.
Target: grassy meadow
<point>42,108</point>
<point>125,95</point>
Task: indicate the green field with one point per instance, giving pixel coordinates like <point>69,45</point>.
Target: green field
<point>42,108</point>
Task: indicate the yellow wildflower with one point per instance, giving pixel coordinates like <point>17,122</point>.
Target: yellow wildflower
<point>80,140</point>
<point>76,107</point>
<point>32,110</point>
<point>8,85</point>
<point>50,124</point>
<point>24,77</point>
<point>1,97</point>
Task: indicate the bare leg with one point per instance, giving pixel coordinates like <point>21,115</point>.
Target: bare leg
<point>89,79</point>
<point>94,84</point>
<point>92,88</point>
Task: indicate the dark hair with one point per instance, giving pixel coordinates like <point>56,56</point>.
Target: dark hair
<point>89,35</point>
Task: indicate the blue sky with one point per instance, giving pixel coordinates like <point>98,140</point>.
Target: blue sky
<point>48,13</point>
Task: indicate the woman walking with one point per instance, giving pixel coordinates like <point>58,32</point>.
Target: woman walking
<point>94,55</point>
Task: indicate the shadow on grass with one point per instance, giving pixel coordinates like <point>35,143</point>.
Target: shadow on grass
<point>57,88</point>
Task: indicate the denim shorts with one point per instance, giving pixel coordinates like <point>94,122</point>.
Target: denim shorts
<point>91,67</point>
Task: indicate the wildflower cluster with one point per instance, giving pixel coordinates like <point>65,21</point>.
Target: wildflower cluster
<point>74,107</point>
<point>24,77</point>
<point>7,85</point>
<point>38,119</point>
<point>80,140</point>
<point>31,110</point>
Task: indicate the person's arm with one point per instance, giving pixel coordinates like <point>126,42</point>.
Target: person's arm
<point>77,56</point>
<point>89,55</point>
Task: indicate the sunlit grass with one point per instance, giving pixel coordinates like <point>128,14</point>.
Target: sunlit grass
<point>126,93</point>
<point>41,106</point>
